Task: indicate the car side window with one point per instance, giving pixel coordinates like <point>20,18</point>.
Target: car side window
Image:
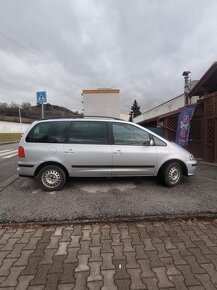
<point>158,142</point>
<point>48,132</point>
<point>126,134</point>
<point>88,132</point>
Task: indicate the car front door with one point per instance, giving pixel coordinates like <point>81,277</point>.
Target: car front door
<point>132,153</point>
<point>87,151</point>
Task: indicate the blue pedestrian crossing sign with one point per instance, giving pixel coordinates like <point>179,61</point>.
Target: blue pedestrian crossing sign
<point>41,97</point>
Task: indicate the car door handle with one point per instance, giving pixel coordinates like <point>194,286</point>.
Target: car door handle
<point>117,151</point>
<point>69,151</point>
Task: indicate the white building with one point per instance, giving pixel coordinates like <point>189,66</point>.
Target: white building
<point>101,102</point>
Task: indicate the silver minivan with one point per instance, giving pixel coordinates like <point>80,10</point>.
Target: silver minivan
<point>54,149</point>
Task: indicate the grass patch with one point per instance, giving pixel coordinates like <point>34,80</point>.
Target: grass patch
<point>15,119</point>
<point>7,137</point>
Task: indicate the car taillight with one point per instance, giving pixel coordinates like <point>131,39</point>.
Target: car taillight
<point>21,152</point>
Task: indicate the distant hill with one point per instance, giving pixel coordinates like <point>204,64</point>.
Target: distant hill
<point>31,113</point>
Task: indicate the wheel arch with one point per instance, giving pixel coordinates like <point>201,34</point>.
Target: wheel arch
<point>51,163</point>
<point>184,167</point>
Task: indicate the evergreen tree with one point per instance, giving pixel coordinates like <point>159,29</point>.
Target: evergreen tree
<point>135,111</point>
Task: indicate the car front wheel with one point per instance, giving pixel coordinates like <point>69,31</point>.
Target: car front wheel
<point>172,174</point>
<point>52,178</point>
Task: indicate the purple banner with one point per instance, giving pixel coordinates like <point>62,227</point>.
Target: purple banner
<point>183,126</point>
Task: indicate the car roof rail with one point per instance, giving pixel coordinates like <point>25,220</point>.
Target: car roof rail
<point>79,117</point>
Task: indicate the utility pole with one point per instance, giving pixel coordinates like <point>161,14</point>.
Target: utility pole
<point>186,87</point>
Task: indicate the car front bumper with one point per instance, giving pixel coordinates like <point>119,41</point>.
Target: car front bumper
<point>191,166</point>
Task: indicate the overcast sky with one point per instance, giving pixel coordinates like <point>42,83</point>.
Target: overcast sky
<point>138,46</point>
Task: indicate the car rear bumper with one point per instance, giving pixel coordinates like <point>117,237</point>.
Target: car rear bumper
<point>27,170</point>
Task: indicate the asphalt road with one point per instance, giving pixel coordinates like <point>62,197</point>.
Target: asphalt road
<point>8,161</point>
<point>111,199</point>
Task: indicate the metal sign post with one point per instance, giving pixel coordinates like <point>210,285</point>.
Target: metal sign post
<point>41,99</point>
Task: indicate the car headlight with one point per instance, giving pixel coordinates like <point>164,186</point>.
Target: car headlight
<point>191,157</point>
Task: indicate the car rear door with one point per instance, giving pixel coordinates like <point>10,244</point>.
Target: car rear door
<point>131,151</point>
<point>87,151</point>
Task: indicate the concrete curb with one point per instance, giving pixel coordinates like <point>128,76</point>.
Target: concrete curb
<point>9,142</point>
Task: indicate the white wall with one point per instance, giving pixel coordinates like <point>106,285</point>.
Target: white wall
<point>12,127</point>
<point>167,107</point>
<point>102,104</point>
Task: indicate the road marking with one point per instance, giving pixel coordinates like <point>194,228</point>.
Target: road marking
<point>9,152</point>
<point>1,151</point>
<point>9,156</point>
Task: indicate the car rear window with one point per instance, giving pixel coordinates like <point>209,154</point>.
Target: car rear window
<point>48,132</point>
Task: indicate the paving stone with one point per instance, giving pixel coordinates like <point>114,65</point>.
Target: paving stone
<point>108,276</point>
<point>39,233</point>
<point>38,287</point>
<point>120,270</point>
<point>164,282</point>
<point>168,244</point>
<point>82,263</point>
<point>204,249</point>
<point>148,244</point>
<point>170,267</point>
<point>205,281</point>
<point>162,253</point>
<point>85,248</point>
<point>66,237</point>
<point>25,238</point>
<point>41,275</point>
<point>23,259</point>
<point>95,254</point>
<point>182,250</point>
<point>116,239</point>
<point>86,235</point>
<point>178,281</point>
<point>143,233</point>
<point>211,271</point>
<point>95,241</point>
<point>125,233</point>
<point>80,280</point>
<point>94,272</point>
<point>23,282</point>
<point>190,279</point>
<point>146,269</point>
<point>154,259</point>
<point>39,252</point>
<point>195,267</point>
<point>12,278</point>
<point>106,246</point>
<point>62,250</point>
<point>52,281</point>
<point>136,281</point>
<point>151,283</point>
<point>32,243</point>
<point>10,244</point>
<point>107,262</point>
<point>46,237</point>
<point>57,266</point>
<point>155,238</point>
<point>48,257</point>
<point>3,254</point>
<point>123,284</point>
<point>95,285</point>
<point>15,251</point>
<point>77,230</point>
<point>95,230</point>
<point>65,287</point>
<point>105,234</point>
<point>6,266</point>
<point>131,260</point>
<point>136,239</point>
<point>68,273</point>
<point>58,231</point>
<point>199,256</point>
<point>118,253</point>
<point>54,242</point>
<point>187,241</point>
<point>114,229</point>
<point>178,260</point>
<point>31,267</point>
<point>208,241</point>
<point>140,252</point>
<point>133,228</point>
<point>72,255</point>
<point>5,237</point>
<point>128,245</point>
<point>196,288</point>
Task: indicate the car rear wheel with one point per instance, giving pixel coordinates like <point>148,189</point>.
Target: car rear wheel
<point>172,174</point>
<point>52,178</point>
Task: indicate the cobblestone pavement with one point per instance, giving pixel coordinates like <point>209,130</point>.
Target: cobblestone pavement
<point>139,255</point>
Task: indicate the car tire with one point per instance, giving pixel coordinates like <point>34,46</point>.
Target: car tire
<point>171,174</point>
<point>52,178</point>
